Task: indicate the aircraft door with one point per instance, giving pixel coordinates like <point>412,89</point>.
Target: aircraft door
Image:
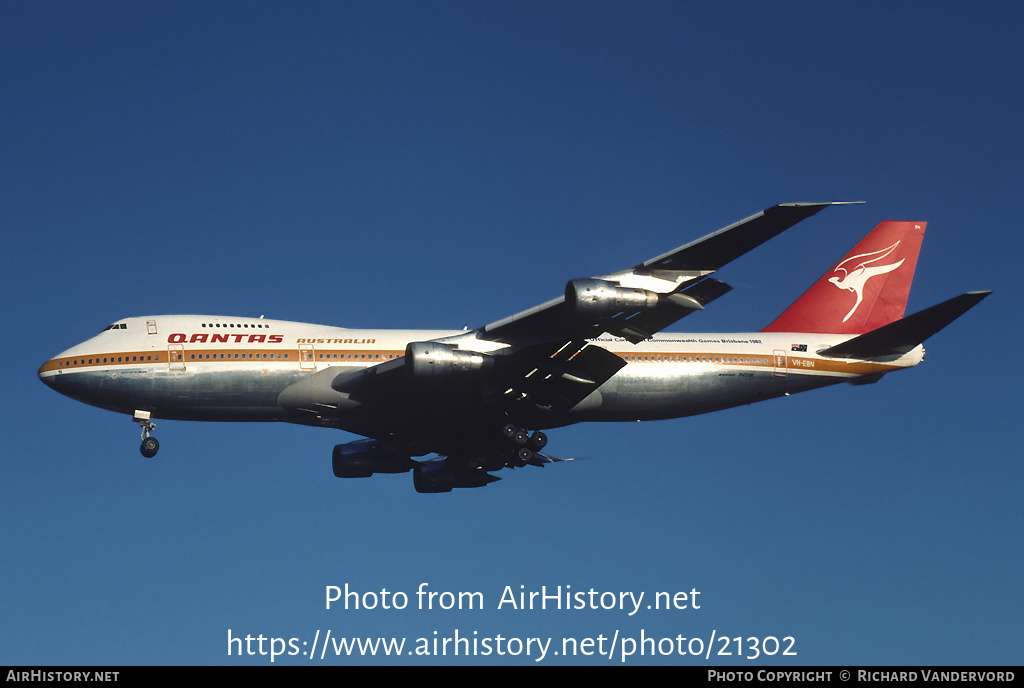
<point>306,357</point>
<point>176,356</point>
<point>780,363</point>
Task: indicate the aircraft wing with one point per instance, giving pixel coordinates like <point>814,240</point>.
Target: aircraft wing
<point>551,377</point>
<point>539,379</point>
<point>639,302</point>
<point>547,365</point>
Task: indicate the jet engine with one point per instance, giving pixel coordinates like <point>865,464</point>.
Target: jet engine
<point>363,458</point>
<point>434,361</point>
<point>594,298</point>
<point>437,476</point>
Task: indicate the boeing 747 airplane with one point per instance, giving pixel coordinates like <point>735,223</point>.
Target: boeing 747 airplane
<point>479,400</point>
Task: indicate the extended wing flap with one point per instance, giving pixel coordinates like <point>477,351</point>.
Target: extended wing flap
<point>554,378</point>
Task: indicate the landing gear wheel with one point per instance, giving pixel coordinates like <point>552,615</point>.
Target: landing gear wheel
<point>517,436</point>
<point>538,441</point>
<point>149,447</point>
<point>149,444</point>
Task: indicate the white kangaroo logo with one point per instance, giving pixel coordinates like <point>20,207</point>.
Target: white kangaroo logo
<point>854,279</point>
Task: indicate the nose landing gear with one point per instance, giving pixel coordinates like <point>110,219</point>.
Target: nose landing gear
<point>150,445</point>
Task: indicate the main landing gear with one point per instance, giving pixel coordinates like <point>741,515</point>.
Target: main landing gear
<point>150,446</point>
<point>523,444</point>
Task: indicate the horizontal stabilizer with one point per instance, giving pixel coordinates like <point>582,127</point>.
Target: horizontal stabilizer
<point>903,335</point>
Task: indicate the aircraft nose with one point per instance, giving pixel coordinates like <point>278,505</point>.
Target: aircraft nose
<point>47,373</point>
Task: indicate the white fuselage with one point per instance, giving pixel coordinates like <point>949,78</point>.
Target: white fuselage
<point>192,367</point>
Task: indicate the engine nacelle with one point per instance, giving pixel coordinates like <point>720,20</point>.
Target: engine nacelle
<point>435,361</point>
<point>594,298</point>
<point>437,476</point>
<point>363,458</point>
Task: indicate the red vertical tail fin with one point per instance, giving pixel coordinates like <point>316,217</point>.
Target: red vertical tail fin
<point>865,290</point>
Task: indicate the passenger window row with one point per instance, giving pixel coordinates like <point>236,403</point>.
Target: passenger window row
<point>697,359</point>
<point>258,326</point>
<point>108,359</point>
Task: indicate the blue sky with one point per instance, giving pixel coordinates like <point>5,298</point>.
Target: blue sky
<point>440,165</point>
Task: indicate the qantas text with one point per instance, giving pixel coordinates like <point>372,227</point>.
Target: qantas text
<point>204,337</point>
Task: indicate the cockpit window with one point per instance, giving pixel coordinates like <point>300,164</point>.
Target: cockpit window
<point>116,326</point>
